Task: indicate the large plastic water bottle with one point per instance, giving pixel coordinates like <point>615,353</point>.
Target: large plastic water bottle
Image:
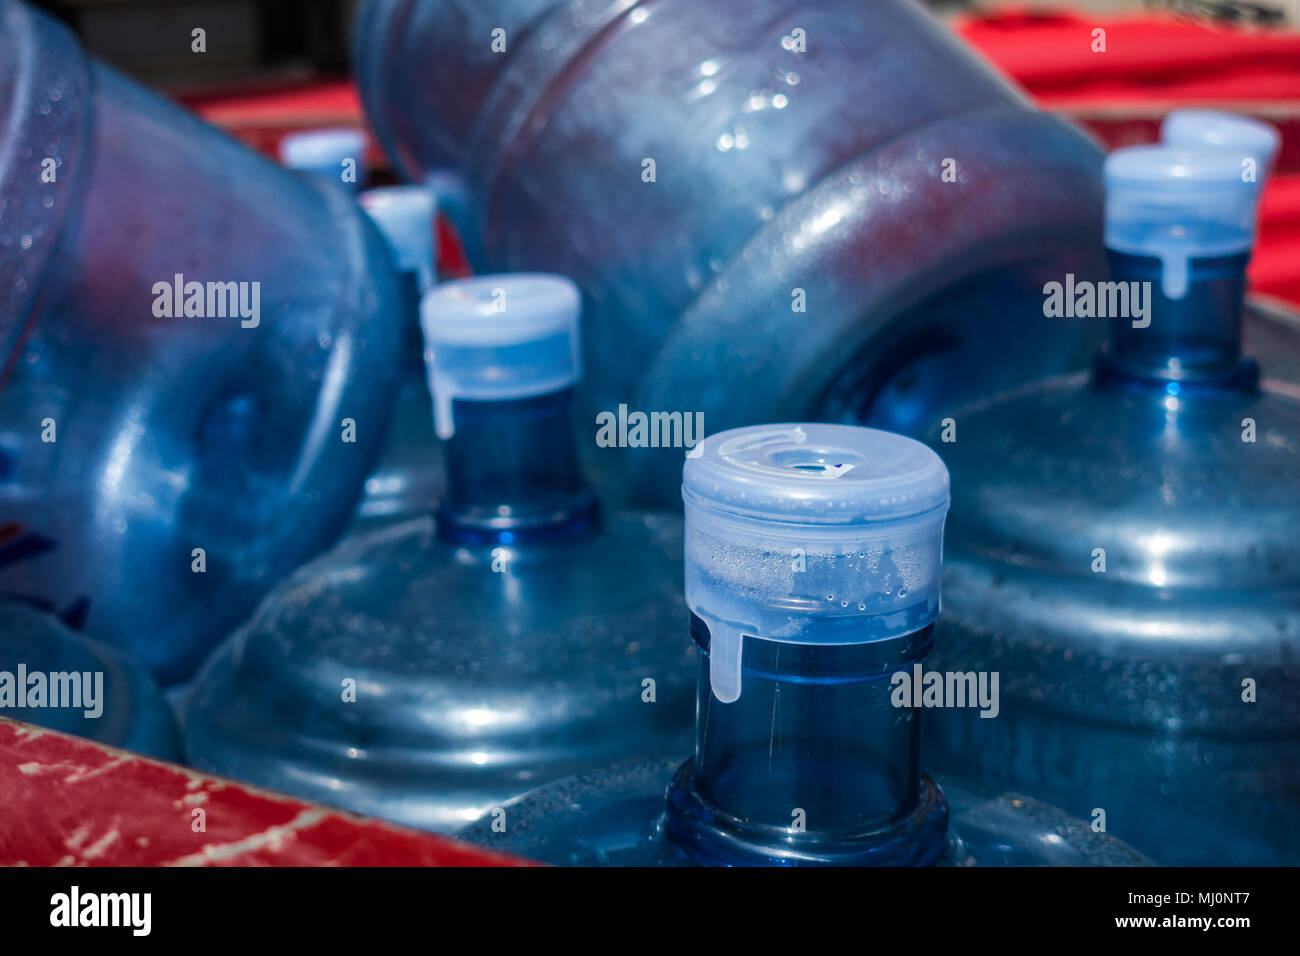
<point>1124,547</point>
<point>774,209</point>
<point>408,479</point>
<point>432,670</point>
<point>1270,327</point>
<point>813,564</point>
<point>1254,141</point>
<point>336,154</point>
<point>200,351</point>
<point>55,678</point>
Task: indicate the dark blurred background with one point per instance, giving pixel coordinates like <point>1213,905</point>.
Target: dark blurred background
<point>274,42</point>
<point>249,42</point>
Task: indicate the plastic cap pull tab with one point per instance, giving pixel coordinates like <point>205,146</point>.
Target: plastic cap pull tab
<point>726,647</point>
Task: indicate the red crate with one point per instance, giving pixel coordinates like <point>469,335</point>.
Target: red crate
<point>71,802</point>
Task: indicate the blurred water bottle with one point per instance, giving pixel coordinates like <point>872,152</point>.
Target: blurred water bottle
<point>336,154</point>
<point>813,563</point>
<point>408,479</point>
<point>1256,142</point>
<point>773,209</point>
<point>55,678</point>
<point>200,352</point>
<point>430,671</point>
<point>1125,546</point>
<point>1271,326</point>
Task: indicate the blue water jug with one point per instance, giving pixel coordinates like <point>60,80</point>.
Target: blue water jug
<point>1271,326</point>
<point>429,671</point>
<point>408,479</point>
<point>1192,128</point>
<point>200,351</point>
<point>1124,546</point>
<point>55,678</point>
<point>336,154</point>
<point>813,563</point>
<point>773,209</point>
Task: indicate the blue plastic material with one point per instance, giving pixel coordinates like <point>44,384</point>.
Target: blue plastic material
<point>407,482</point>
<point>431,671</point>
<point>811,534</point>
<point>337,155</point>
<point>405,215</point>
<point>841,186</point>
<point>615,817</point>
<point>1270,326</point>
<point>808,532</point>
<point>1123,549</point>
<point>500,338</point>
<point>169,467</point>
<point>57,679</point>
<point>1192,128</point>
<point>1149,192</point>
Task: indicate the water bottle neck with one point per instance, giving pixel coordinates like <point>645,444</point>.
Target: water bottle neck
<point>1182,329</point>
<point>512,472</point>
<point>816,761</point>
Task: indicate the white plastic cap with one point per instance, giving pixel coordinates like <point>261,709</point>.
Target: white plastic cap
<point>404,214</point>
<point>1176,203</point>
<point>322,151</point>
<point>1192,128</point>
<point>498,338</point>
<point>810,534</point>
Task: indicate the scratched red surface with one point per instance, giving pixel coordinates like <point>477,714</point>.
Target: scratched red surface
<point>65,801</point>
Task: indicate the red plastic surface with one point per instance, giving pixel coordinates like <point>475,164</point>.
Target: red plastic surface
<point>1147,58</point>
<point>66,801</point>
